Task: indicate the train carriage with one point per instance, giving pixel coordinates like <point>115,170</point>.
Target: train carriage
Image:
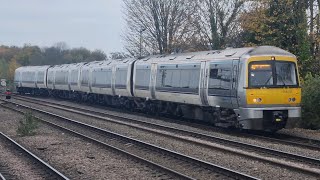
<point>101,82</point>
<point>168,78</point>
<point>248,88</point>
<point>31,79</point>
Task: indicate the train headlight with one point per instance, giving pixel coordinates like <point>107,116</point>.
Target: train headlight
<point>292,99</point>
<point>257,100</point>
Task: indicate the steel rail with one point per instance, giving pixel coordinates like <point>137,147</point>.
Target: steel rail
<point>207,165</point>
<point>49,168</point>
<point>292,143</point>
<point>210,138</point>
<point>2,177</point>
<point>179,175</point>
<point>207,137</point>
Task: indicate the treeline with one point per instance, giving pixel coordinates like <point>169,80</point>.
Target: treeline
<point>166,26</point>
<point>13,57</point>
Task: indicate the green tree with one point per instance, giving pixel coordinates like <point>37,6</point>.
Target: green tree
<point>12,66</point>
<point>3,68</point>
<point>281,23</point>
<point>98,55</point>
<point>311,102</point>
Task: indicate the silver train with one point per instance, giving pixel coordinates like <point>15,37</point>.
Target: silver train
<point>253,88</point>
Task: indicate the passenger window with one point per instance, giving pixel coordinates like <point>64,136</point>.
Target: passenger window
<point>40,77</point>
<point>85,78</point>
<point>220,79</point>
<point>175,78</point>
<point>102,79</point>
<point>50,77</point>
<point>121,78</point>
<point>214,73</point>
<point>74,77</point>
<point>183,78</point>
<point>142,78</point>
<point>194,79</point>
<point>167,78</point>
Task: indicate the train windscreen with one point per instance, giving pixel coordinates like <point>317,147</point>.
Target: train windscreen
<point>272,74</point>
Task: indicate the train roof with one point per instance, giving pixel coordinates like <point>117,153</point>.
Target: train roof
<point>32,68</point>
<point>229,53</point>
<point>109,63</point>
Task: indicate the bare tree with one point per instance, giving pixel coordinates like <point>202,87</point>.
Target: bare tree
<point>61,46</point>
<point>119,55</point>
<point>217,21</point>
<point>162,26</point>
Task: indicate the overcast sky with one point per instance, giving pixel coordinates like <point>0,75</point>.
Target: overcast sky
<point>93,24</point>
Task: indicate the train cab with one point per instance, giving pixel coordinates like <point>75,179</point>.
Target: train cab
<point>271,94</point>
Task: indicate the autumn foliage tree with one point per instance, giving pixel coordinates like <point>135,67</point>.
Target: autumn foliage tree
<point>281,23</point>
<point>13,57</point>
<point>13,65</point>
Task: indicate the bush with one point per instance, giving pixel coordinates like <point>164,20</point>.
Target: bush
<point>311,102</point>
<point>27,125</point>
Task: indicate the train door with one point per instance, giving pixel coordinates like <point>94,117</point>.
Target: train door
<point>90,72</point>
<point>235,80</point>
<point>79,69</point>
<point>153,80</point>
<point>54,79</point>
<point>69,78</point>
<point>36,78</point>
<point>203,90</point>
<point>19,79</point>
<point>113,80</point>
<point>131,85</point>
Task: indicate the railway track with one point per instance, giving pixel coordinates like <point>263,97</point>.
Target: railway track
<point>91,113</point>
<point>263,152</point>
<point>174,163</point>
<point>295,141</point>
<point>43,169</point>
<point>5,173</point>
<point>2,177</point>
